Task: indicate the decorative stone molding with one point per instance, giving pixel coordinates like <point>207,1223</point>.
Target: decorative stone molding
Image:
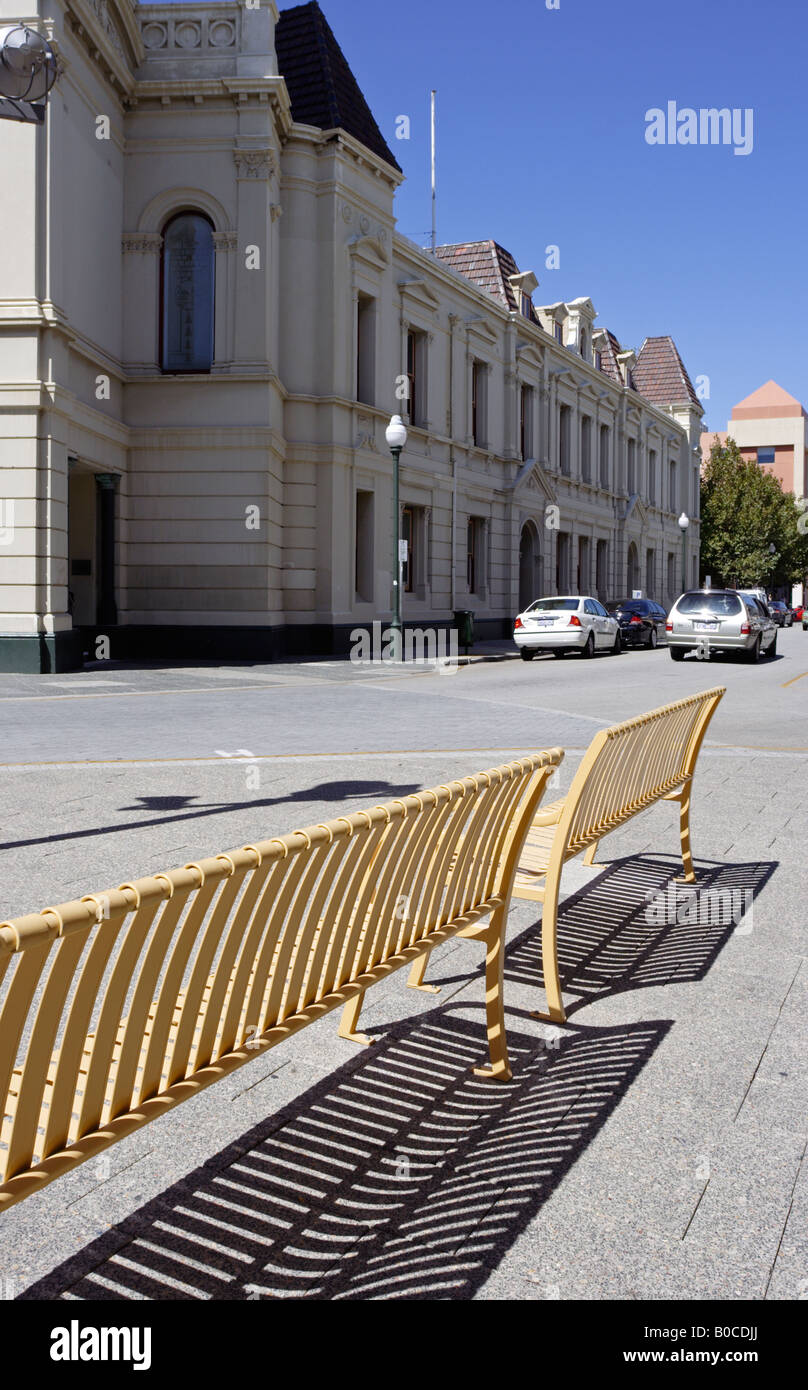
<point>366,433</point>
<point>154,35</point>
<point>185,33</point>
<point>99,9</point>
<point>368,248</point>
<point>142,243</point>
<point>275,211</point>
<point>188,34</point>
<point>254,164</point>
<point>221,33</point>
<point>225,241</point>
<point>347,212</point>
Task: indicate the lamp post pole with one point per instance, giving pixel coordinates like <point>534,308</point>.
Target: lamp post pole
<point>396,436</point>
<point>684,522</point>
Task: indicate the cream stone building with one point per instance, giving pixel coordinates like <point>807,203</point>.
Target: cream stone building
<point>207,318</point>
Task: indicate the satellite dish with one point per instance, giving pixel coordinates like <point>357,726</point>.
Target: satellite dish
<point>28,70</point>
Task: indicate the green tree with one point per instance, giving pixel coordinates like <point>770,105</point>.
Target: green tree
<point>744,513</point>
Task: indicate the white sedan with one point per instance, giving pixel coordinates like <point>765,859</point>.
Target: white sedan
<point>566,624</point>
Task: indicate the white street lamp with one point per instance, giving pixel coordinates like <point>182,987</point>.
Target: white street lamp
<point>396,433</point>
<point>684,522</point>
<point>396,436</point>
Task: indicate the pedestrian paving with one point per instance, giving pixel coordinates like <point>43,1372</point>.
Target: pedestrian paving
<point>655,1146</point>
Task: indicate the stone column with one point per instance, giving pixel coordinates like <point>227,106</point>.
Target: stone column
<point>226,246</point>
<point>253,309</point>
<point>141,299</point>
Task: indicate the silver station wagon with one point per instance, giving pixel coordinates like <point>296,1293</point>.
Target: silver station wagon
<point>721,620</point>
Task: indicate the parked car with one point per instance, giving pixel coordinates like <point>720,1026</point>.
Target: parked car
<point>569,623</point>
<point>797,612</point>
<point>759,594</point>
<point>642,622</point>
<point>721,620</point>
<point>805,619</point>
<point>782,615</point>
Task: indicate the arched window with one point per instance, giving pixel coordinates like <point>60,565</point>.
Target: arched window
<point>186,294</point>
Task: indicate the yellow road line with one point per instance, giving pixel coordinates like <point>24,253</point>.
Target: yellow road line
<point>794,679</point>
<point>273,757</point>
<point>359,753</point>
<point>138,694</point>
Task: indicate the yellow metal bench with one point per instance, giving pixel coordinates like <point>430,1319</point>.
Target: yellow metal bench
<point>117,1007</point>
<point>626,769</point>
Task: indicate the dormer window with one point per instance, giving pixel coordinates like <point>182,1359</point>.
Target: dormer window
<point>559,331</point>
<point>527,306</point>
<point>599,361</point>
<point>584,344</point>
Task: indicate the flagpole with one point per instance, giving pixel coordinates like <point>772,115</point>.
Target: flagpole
<point>434,204</point>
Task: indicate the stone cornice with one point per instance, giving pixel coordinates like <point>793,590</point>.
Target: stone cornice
<point>271,89</point>
<point>355,150</point>
<point>110,33</point>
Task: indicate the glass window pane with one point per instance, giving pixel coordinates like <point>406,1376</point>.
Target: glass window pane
<point>188,270</point>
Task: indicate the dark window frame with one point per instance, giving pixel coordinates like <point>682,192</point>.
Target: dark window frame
<point>161,344</point>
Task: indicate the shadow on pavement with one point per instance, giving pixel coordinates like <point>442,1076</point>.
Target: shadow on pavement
<point>401,1176</point>
<point>325,791</point>
<point>633,927</point>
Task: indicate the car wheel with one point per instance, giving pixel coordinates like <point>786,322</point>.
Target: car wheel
<point>753,655</point>
<point>772,650</point>
<point>677,653</point>
<point>617,648</point>
<point>652,640</point>
<point>526,653</point>
<point>589,649</point>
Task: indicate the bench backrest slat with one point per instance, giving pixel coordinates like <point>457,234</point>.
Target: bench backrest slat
<point>631,765</point>
<point>111,1001</point>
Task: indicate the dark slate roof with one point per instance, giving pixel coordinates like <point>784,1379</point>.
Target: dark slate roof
<point>608,357</point>
<point>322,89</point>
<point>488,265</point>
<point>660,374</point>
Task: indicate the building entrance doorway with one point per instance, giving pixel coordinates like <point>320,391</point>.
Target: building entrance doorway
<point>91,544</point>
<point>530,584</point>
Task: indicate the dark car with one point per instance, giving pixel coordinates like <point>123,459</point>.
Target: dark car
<point>642,622</point>
<point>782,615</point>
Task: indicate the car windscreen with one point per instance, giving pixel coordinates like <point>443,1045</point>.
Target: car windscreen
<point>722,605</point>
<point>628,606</point>
<point>564,604</point>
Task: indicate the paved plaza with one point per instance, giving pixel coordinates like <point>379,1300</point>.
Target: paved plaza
<point>653,1147</point>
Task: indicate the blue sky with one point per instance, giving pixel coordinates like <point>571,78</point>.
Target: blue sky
<point>541,124</point>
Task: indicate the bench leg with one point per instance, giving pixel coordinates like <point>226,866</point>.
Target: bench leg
<point>415,979</point>
<point>349,1020</point>
<point>688,874</point>
<point>589,857</point>
<point>500,1068</point>
<point>549,956</point>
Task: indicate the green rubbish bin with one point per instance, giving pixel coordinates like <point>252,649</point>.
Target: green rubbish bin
<point>464,622</point>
